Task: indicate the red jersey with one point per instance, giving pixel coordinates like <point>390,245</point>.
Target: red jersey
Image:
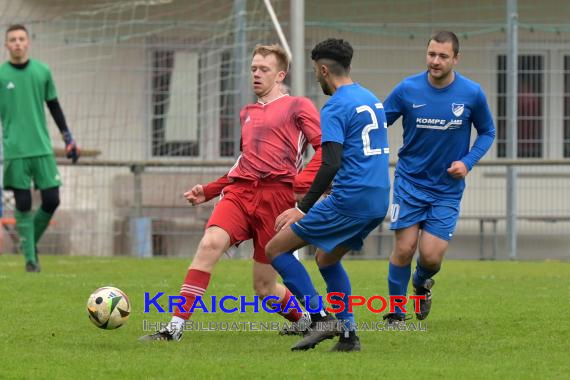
<point>274,137</point>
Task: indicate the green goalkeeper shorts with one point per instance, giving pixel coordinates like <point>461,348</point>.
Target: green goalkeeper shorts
<point>19,173</point>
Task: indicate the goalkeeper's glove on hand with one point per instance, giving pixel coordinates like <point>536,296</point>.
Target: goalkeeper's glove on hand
<point>71,148</point>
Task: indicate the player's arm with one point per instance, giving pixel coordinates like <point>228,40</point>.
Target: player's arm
<point>309,123</point>
<point>203,193</point>
<point>483,123</point>
<point>305,178</point>
<point>332,157</point>
<point>393,105</point>
<point>213,189</point>
<point>71,147</point>
<point>50,97</point>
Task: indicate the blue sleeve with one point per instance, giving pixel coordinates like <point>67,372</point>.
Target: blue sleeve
<point>333,122</point>
<point>483,123</point>
<point>393,105</point>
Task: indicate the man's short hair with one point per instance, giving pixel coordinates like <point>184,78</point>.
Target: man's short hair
<point>444,36</point>
<point>337,50</point>
<point>277,50</point>
<point>14,27</point>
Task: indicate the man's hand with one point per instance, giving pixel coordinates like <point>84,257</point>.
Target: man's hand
<point>72,150</point>
<point>287,218</point>
<point>195,195</point>
<point>458,170</point>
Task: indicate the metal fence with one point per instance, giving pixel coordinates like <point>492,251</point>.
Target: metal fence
<point>125,72</point>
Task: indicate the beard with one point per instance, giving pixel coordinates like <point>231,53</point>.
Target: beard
<point>325,87</point>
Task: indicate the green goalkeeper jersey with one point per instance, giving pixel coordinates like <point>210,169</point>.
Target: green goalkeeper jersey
<point>23,93</point>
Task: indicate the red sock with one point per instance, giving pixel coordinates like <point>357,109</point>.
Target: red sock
<point>195,284</point>
<point>292,314</point>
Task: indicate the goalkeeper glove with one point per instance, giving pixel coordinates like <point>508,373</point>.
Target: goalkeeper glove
<point>71,148</point>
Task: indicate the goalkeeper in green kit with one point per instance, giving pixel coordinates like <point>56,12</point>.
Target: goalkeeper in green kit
<point>25,84</point>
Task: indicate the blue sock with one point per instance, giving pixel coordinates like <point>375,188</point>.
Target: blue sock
<point>297,280</point>
<point>422,273</point>
<point>398,279</point>
<point>337,281</point>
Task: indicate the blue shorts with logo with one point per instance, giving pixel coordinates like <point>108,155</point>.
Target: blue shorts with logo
<point>326,228</point>
<point>411,205</point>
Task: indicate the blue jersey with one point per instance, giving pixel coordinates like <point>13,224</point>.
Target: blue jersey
<point>437,130</point>
<point>354,117</point>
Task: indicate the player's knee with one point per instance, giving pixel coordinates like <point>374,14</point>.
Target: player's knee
<point>210,244</point>
<point>270,251</point>
<point>264,288</point>
<point>405,248</point>
<point>321,259</point>
<point>432,262</point>
<point>23,200</point>
<point>51,205</point>
<point>50,200</point>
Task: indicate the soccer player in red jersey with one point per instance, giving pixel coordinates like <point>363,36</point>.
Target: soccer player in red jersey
<point>260,186</point>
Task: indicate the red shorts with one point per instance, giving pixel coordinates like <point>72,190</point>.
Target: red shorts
<point>248,210</point>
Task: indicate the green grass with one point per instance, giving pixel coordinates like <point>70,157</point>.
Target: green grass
<point>489,320</point>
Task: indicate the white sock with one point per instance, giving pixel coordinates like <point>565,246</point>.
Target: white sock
<point>176,324</point>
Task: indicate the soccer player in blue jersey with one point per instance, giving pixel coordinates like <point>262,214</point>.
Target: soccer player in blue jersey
<point>438,107</point>
<point>355,155</point>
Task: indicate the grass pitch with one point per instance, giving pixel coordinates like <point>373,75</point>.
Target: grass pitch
<point>489,320</point>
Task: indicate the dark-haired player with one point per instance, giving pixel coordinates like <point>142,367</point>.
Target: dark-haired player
<point>25,84</point>
<point>355,156</point>
<point>438,108</point>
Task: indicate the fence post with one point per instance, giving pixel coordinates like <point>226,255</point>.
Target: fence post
<point>140,228</point>
<point>512,125</point>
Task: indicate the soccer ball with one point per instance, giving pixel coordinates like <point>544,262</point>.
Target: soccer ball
<point>108,308</point>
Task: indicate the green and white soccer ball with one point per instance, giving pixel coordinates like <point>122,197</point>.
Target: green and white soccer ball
<point>109,308</point>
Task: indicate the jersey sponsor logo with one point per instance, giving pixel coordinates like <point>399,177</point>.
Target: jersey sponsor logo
<point>457,109</point>
<point>10,86</point>
<point>418,105</point>
<point>439,124</point>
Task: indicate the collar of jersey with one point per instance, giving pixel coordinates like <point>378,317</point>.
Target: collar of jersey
<point>443,88</point>
<point>264,104</point>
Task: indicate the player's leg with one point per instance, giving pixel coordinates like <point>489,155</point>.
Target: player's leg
<point>337,280</point>
<point>25,225</point>
<point>18,178</point>
<point>408,211</point>
<point>399,267</point>
<point>354,231</point>
<point>432,250</point>
<point>279,251</point>
<point>271,201</point>
<point>437,231</point>
<point>211,248</point>
<point>265,284</point>
<point>47,179</point>
<point>226,226</point>
<point>50,202</point>
<point>334,234</point>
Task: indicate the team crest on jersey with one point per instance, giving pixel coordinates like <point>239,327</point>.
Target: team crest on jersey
<point>457,109</point>
<point>10,86</point>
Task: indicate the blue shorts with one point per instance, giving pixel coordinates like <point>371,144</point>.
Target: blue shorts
<point>412,205</point>
<point>326,228</point>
